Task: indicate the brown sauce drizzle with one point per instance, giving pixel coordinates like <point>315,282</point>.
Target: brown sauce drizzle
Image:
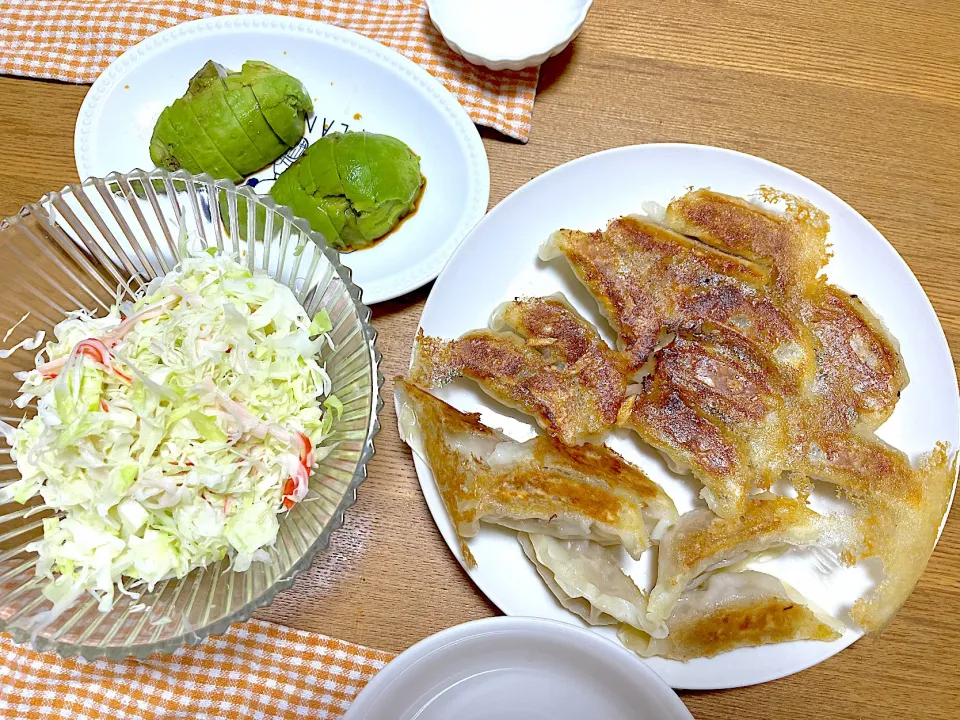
<point>401,221</point>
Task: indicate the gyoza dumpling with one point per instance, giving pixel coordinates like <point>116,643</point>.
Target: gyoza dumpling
<point>576,493</point>
<point>701,541</point>
<point>733,610</point>
<point>587,580</point>
<point>543,359</point>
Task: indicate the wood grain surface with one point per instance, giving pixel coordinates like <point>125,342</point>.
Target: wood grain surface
<point>862,97</point>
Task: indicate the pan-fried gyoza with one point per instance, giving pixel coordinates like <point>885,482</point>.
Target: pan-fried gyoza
<point>741,364</point>
<point>791,246</point>
<point>572,399</point>
<point>690,403</point>
<point>733,610</point>
<point>649,281</point>
<point>541,486</point>
<point>701,542</point>
<point>704,404</point>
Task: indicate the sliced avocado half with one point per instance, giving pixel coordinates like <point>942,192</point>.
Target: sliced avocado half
<point>282,98</point>
<point>231,124</point>
<point>167,149</point>
<point>247,110</point>
<point>207,97</point>
<point>204,151</point>
<point>361,183</point>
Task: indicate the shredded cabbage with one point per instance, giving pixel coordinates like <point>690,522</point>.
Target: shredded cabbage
<point>172,433</point>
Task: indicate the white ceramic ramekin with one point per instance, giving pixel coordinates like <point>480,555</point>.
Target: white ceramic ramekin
<point>474,42</point>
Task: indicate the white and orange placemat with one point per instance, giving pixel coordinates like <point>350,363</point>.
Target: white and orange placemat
<point>255,670</point>
<point>75,40</point>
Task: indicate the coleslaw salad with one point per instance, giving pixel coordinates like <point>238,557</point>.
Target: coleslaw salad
<point>171,432</point>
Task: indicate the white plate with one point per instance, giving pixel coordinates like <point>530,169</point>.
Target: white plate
<point>356,84</point>
<point>516,669</point>
<point>498,261</point>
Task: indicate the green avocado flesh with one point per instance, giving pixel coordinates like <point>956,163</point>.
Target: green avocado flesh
<point>207,99</point>
<point>208,157</point>
<point>168,150</point>
<point>282,99</point>
<point>242,101</point>
<point>226,124</point>
<point>352,187</point>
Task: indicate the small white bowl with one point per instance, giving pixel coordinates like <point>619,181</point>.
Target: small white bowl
<point>508,34</point>
<point>514,668</point>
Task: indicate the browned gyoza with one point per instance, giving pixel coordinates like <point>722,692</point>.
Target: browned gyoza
<point>650,281</point>
<point>725,352</point>
<point>540,486</point>
<point>736,360</point>
<point>710,402</point>
<point>792,247</point>
<point>859,375</point>
<point>858,371</point>
<point>558,369</point>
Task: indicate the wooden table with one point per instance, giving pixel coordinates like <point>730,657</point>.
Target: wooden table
<point>862,97</point>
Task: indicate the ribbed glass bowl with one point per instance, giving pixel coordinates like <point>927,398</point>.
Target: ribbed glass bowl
<point>74,249</point>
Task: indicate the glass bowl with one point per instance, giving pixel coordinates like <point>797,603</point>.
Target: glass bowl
<point>74,249</point>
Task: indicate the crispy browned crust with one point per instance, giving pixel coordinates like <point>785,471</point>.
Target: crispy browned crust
<point>622,294</point>
<point>574,402</point>
<point>791,246</point>
<point>440,415</point>
<point>601,463</point>
<point>768,517</point>
<point>548,481</point>
<point>772,621</point>
<point>540,493</point>
<point>715,403</point>
<point>650,280</point>
<point>708,402</point>
<point>518,376</point>
<point>572,346</point>
<point>454,473</point>
<point>903,533</point>
<point>692,442</point>
<point>722,372</point>
<point>860,371</point>
<point>760,622</point>
<point>551,325</point>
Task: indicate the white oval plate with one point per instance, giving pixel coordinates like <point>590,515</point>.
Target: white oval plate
<point>498,261</point>
<point>516,669</point>
<point>356,84</point>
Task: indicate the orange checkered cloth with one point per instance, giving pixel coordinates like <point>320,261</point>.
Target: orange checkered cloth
<point>75,40</point>
<point>256,670</point>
